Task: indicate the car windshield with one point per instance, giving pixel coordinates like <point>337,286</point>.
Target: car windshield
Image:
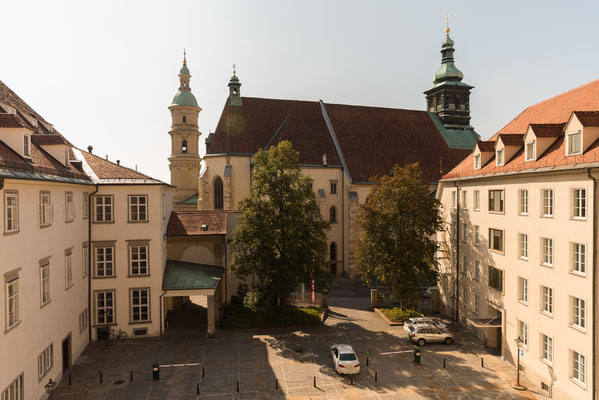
<point>347,357</point>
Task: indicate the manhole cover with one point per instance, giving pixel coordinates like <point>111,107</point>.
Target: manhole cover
<point>298,350</point>
<point>119,382</point>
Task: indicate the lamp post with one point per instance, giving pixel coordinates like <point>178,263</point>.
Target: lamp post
<point>50,386</point>
<point>519,344</point>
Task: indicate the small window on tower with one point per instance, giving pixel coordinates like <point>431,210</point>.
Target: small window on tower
<point>184,146</point>
<point>184,119</point>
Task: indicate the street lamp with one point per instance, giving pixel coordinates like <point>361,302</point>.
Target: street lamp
<point>50,386</point>
<point>519,344</point>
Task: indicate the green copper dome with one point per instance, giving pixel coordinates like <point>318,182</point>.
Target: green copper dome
<point>448,70</point>
<point>184,70</point>
<point>185,98</point>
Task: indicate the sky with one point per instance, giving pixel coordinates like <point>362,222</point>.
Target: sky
<point>105,72</point>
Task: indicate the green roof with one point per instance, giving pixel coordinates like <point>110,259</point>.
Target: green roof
<point>185,98</point>
<point>181,275</point>
<point>184,70</point>
<point>456,138</point>
<point>193,200</point>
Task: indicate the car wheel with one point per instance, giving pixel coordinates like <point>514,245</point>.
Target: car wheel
<point>448,340</point>
<point>421,342</point>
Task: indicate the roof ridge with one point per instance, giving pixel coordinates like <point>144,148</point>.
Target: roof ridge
<point>117,165</point>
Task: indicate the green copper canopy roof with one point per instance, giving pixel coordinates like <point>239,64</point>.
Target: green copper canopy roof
<point>181,275</point>
<point>448,70</point>
<point>184,70</point>
<point>185,98</point>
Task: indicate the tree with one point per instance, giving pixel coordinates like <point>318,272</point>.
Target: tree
<point>281,237</point>
<point>396,222</point>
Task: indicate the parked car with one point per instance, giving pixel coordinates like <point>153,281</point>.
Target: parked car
<point>344,359</point>
<point>421,321</point>
<point>427,333</point>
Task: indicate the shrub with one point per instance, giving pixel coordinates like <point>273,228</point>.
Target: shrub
<point>397,314</point>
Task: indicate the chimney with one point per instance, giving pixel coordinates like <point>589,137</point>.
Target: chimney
<point>90,148</point>
<point>106,157</point>
<point>118,162</point>
<point>324,159</point>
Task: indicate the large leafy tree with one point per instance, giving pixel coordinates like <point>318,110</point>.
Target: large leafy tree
<point>396,222</point>
<point>281,237</point>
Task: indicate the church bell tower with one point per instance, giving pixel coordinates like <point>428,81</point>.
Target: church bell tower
<point>184,162</point>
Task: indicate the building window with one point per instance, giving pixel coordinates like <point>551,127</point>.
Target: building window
<point>26,145</point>
<point>15,390</point>
<point>140,306</point>
<point>85,197</point>
<point>477,161</point>
<point>547,251</point>
<point>333,187</point>
<point>85,262</point>
<point>579,203</point>
<point>574,143</point>
<point>333,214</point>
<point>523,333</point>
<point>578,312</point>
<point>523,289</point>
<point>138,257</point>
<point>578,367</point>
<point>103,208</point>
<point>45,361</point>
<point>163,204</point>
<point>547,299</point>
<point>45,209</point>
<point>69,207</point>
<point>546,348</point>
<point>476,235</point>
<point>496,239</point>
<point>83,320</point>
<point>523,196</point>
<point>464,264</point>
<point>12,301</point>
<point>523,246</point>
<point>138,208</point>
<point>578,258</point>
<point>476,200</point>
<point>476,270</point>
<point>499,157</point>
<point>68,269</point>
<point>496,200</point>
<point>495,278</point>
<point>530,150</point>
<point>464,199</point>
<point>105,307</point>
<point>464,235</point>
<point>453,199</point>
<point>476,304</point>
<point>184,146</point>
<point>104,261</point>
<point>45,282</point>
<point>218,194</point>
<point>184,119</point>
<point>547,202</point>
<point>11,212</point>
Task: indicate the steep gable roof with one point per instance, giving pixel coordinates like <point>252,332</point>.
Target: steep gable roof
<point>189,223</point>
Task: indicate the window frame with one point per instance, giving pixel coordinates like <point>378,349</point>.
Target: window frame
<point>107,216</point>
<point>69,207</point>
<point>499,278</point>
<point>569,137</point>
<point>523,246</point>
<point>15,389</point>
<point>578,320</point>
<point>477,270</point>
<point>14,212</point>
<point>522,328</point>
<point>523,290</point>
<point>476,205</point>
<point>133,306</point>
<point>578,208</point>
<point>45,209</point>
<point>130,249</point>
<point>85,205</point>
<point>218,193</point>
<point>501,200</point>
<point>83,320</point>
<point>527,155</point>
<point>68,269</point>
<point>476,235</point>
<point>547,297</point>
<point>576,361</point>
<point>492,240</point>
<point>140,209</point>
<point>104,262</point>
<point>547,252</point>
<point>105,308</point>
<point>45,292</point>
<point>477,161</point>
<point>11,281</point>
<point>523,202</point>
<point>546,349</point>
<point>85,256</point>
<point>464,199</point>
<point>581,255</point>
<point>500,161</point>
<point>45,361</point>
<point>333,186</point>
<point>547,203</point>
<point>26,146</point>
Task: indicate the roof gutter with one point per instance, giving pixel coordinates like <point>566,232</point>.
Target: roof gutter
<point>594,268</point>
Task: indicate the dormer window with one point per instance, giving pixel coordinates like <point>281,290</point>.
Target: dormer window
<point>477,161</point>
<point>574,143</point>
<point>530,150</point>
<point>499,157</point>
<point>26,146</point>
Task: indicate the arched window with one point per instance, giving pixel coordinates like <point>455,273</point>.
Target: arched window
<point>184,146</point>
<point>218,194</point>
<point>184,119</point>
<point>333,257</point>
<point>333,214</point>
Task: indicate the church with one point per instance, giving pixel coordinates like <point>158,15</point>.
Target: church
<point>341,147</point>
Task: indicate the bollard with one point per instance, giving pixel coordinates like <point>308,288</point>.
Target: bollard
<point>376,375</point>
<point>367,361</point>
<point>198,389</point>
<point>237,386</point>
<point>417,356</point>
<point>202,372</point>
<point>351,379</point>
<point>100,377</point>
<point>443,363</point>
<point>69,379</point>
<point>482,362</point>
<point>314,381</point>
<point>131,376</point>
<point>276,384</point>
<point>156,372</point>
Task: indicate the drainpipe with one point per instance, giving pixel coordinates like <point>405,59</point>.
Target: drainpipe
<point>343,224</point>
<point>1,183</point>
<point>160,306</point>
<point>457,250</point>
<point>89,263</point>
<point>226,278</point>
<point>594,282</point>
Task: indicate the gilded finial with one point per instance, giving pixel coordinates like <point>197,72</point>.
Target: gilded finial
<point>234,68</point>
<point>447,23</point>
<point>184,57</point>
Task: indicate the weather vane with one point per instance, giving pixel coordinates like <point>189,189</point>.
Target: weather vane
<point>447,22</point>
<point>234,68</point>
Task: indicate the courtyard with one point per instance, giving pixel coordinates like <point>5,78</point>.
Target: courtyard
<point>295,364</point>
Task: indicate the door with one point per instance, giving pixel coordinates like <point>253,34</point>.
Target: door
<point>66,353</point>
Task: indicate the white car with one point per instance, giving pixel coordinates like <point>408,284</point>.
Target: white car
<point>344,359</point>
<point>422,335</point>
<point>423,321</point>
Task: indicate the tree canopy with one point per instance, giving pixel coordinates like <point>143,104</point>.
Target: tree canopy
<point>281,236</point>
<point>396,222</point>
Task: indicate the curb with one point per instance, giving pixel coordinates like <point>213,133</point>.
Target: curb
<point>387,320</point>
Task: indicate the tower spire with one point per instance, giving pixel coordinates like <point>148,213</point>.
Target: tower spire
<point>235,89</point>
<point>184,57</point>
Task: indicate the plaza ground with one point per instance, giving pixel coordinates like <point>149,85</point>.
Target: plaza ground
<point>282,364</point>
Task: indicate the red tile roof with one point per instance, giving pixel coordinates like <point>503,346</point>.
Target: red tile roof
<point>486,146</point>
<point>588,118</point>
<point>511,140</point>
<point>48,140</point>
<point>189,223</point>
<point>105,169</point>
<point>548,130</point>
<point>10,121</point>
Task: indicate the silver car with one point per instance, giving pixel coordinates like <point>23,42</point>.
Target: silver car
<point>421,321</point>
<point>429,334</point>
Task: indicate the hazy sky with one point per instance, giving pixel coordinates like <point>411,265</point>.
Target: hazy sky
<point>104,72</point>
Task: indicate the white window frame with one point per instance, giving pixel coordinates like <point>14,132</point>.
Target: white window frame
<point>85,262</point>
<point>14,390</point>
<point>523,202</point>
<point>104,300</point>
<point>528,156</point>
<point>103,208</point>
<point>523,333</point>
<point>106,262</point>
<point>578,313</point>
<point>499,157</point>
<point>11,206</point>
<point>454,195</point>
<point>45,208</point>
<point>578,198</point>
<point>11,288</point>
<point>570,136</point>
<point>45,361</point>
<point>547,251</point>
<point>476,205</point>
<point>578,368</point>
<point>548,202</point>
<point>85,205</point>
<point>522,290</point>
<point>477,161</point>
<point>547,348</point>
<point>137,307</point>
<point>523,246</point>
<point>476,235</point>
<point>464,199</point>
<point>476,270</point>
<point>547,300</point>
<point>83,317</point>
<point>68,269</point>
<point>45,294</point>
<point>136,260</point>
<point>69,207</point>
<point>578,258</point>
<point>26,146</point>
<point>138,210</point>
